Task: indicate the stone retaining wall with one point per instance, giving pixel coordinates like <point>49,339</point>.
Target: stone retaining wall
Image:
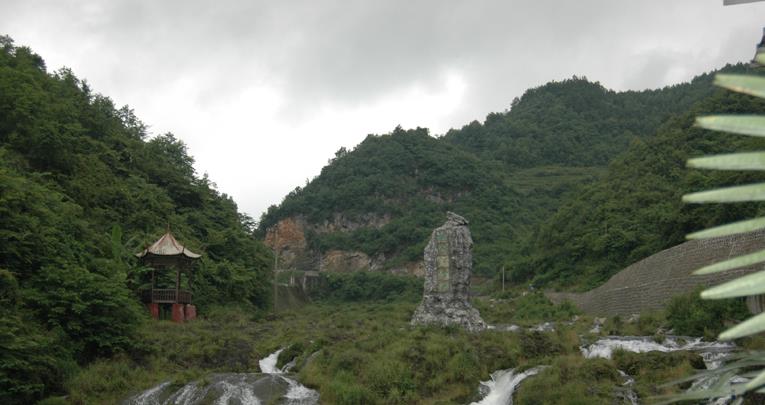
<point>650,283</point>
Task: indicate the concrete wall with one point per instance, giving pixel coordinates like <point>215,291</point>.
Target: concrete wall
<point>650,283</point>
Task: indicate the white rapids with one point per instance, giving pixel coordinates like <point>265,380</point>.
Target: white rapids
<point>713,353</point>
<point>628,394</point>
<point>503,384</point>
<point>640,344</point>
<point>270,386</point>
<point>268,363</point>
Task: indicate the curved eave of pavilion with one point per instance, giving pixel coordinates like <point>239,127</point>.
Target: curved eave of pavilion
<point>167,246</point>
<point>187,254</point>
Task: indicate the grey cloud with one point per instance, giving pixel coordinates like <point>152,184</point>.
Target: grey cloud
<point>344,54</point>
<point>348,52</point>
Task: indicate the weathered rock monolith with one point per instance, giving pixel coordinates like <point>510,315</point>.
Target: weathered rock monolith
<point>448,264</point>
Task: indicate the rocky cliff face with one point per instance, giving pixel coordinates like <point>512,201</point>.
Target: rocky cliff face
<point>288,238</point>
<point>342,261</point>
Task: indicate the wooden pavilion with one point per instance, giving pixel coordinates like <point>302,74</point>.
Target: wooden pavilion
<point>166,254</point>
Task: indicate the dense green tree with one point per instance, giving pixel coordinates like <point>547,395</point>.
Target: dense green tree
<point>505,175</point>
<point>81,190</point>
<point>636,210</point>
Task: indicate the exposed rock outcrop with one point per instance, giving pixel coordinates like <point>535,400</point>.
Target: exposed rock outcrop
<point>448,266</point>
<point>341,261</point>
<point>289,239</point>
<point>410,269</point>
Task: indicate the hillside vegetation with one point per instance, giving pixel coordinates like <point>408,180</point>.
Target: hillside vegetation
<point>82,187</point>
<point>636,209</point>
<point>506,175</point>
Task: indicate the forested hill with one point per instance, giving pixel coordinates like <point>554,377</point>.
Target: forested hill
<point>575,122</point>
<point>82,188</point>
<point>383,199</point>
<point>374,206</point>
<point>636,209</point>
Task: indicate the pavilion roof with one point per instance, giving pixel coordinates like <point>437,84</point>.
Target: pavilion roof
<point>168,246</point>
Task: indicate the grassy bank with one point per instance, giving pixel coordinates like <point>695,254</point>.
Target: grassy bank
<point>367,353</point>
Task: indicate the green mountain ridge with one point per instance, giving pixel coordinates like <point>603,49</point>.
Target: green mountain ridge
<point>636,209</point>
<point>506,175</point>
<point>83,187</point>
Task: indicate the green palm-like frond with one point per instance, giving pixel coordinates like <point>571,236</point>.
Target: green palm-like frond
<point>749,225</point>
<point>749,365</point>
<point>753,125</point>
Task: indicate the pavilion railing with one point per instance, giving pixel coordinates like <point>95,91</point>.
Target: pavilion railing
<point>166,295</point>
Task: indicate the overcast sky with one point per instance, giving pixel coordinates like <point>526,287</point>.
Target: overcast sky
<point>264,92</point>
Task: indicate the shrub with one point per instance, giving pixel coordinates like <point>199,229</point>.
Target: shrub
<point>571,380</point>
<point>367,286</point>
<point>536,306</point>
<point>689,315</point>
<point>537,344</point>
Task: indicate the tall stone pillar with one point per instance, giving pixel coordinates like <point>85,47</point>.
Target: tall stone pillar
<point>448,266</point>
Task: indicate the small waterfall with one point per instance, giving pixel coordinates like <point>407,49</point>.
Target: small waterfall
<point>150,396</point>
<point>268,363</point>
<point>713,354</point>
<point>297,394</point>
<point>502,385</point>
<point>715,360</point>
<point>270,386</point>
<point>640,344</point>
<point>627,392</point>
<point>240,392</point>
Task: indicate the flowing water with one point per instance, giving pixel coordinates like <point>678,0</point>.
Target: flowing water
<point>269,386</point>
<point>503,383</point>
<point>640,344</point>
<point>626,391</point>
<point>502,386</point>
<point>713,353</point>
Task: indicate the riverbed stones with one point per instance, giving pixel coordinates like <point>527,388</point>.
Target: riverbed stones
<point>448,266</point>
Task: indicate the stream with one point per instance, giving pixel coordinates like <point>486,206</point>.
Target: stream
<point>500,388</point>
<point>274,385</point>
<point>271,386</point>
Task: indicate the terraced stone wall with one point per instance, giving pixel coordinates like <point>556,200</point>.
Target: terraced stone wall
<point>650,283</point>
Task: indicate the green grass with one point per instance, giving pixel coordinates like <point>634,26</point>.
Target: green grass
<point>367,353</point>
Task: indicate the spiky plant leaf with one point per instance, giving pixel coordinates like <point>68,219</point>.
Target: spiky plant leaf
<point>751,365</point>
<point>733,161</point>
<point>751,284</point>
<point>758,382</point>
<point>753,125</point>
<point>748,225</point>
<point>746,84</point>
<point>750,192</point>
<point>734,263</point>
<point>751,326</point>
